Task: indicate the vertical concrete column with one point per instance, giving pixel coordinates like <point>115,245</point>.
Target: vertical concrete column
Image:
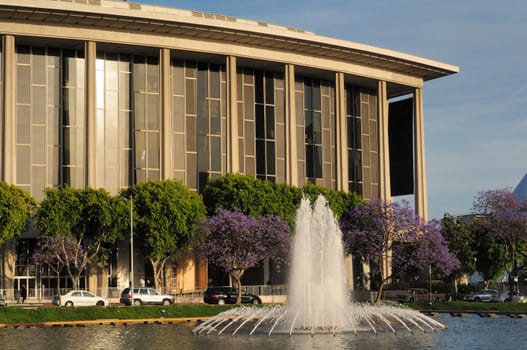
<point>341,130</point>
<point>384,161</point>
<point>91,114</point>
<point>8,168</point>
<point>384,149</point>
<point>233,152</point>
<point>167,165</point>
<point>290,125</point>
<point>421,206</point>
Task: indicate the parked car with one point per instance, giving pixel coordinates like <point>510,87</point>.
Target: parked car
<point>515,297</point>
<point>3,302</point>
<point>420,295</point>
<point>79,298</point>
<point>486,295</point>
<point>228,295</point>
<point>145,295</point>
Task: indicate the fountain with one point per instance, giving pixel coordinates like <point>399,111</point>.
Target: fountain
<point>318,300</point>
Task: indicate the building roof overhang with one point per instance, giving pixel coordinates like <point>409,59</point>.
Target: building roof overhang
<point>132,17</point>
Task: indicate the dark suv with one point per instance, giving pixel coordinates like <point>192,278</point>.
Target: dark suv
<point>228,295</point>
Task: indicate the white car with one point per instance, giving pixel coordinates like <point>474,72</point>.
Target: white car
<point>79,298</point>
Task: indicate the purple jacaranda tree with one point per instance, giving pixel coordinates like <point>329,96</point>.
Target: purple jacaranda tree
<point>392,238</point>
<point>59,252</point>
<point>503,214</point>
<point>236,242</point>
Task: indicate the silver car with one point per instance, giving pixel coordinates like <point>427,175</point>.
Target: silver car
<point>145,295</point>
<point>486,295</point>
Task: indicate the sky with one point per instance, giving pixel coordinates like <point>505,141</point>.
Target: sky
<point>476,120</point>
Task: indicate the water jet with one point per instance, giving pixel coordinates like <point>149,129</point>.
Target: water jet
<point>318,300</point>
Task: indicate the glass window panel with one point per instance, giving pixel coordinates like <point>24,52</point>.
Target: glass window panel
<point>270,157</point>
<point>190,69</point>
<point>178,78</point>
<point>214,81</point>
<point>152,77</point>
<point>111,101</point>
<point>153,150</point>
<point>124,90</point>
<point>309,127</point>
<point>258,87</point>
<point>269,122</point>
<point>203,153</point>
<point>309,161</point>
<point>124,128</point>
<point>153,111</point>
<point>178,113</point>
<point>38,66</point>
<point>23,131</point>
<point>317,128</point>
<point>317,157</point>
<point>260,157</point>
<point>316,95</point>
<point>22,84</point>
<point>357,129</point>
<point>38,144</point>
<point>139,74</point>
<point>269,88</point>
<point>179,152</point>
<point>153,175</point>
<point>53,126</point>
<point>308,92</point>
<point>260,121</point>
<point>139,118</point>
<point>140,150</point>
<point>23,54</point>
<point>215,119</point>
<point>203,117</point>
<point>280,106</point>
<point>100,89</point>
<point>202,81</point>
<point>215,162</point>
<point>112,75</point>
<point>38,183</point>
<point>191,134</point>
<point>23,165</point>
<point>190,96</point>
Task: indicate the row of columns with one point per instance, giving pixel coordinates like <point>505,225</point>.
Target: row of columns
<point>9,168</point>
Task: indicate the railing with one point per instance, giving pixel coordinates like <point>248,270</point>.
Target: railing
<point>45,295</point>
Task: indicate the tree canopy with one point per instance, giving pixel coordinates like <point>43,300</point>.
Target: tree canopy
<point>16,206</point>
<point>257,197</point>
<point>504,216</point>
<point>236,242</point>
<point>167,215</point>
<point>92,218</point>
<point>383,232</point>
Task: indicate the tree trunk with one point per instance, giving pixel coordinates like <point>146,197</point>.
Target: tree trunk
<point>237,275</point>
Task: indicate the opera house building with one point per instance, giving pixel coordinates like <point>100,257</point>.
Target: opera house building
<point>107,94</point>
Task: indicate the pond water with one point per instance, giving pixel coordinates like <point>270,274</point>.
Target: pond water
<point>472,332</point>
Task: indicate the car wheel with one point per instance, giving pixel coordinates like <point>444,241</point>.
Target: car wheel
<point>256,301</point>
<point>137,302</point>
<point>477,300</point>
<point>166,302</point>
<point>68,303</point>
<point>221,301</point>
<point>100,303</point>
<point>437,300</point>
<point>411,300</point>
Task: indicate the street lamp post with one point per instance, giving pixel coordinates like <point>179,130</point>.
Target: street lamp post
<point>131,246</point>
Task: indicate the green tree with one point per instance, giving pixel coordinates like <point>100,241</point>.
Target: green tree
<point>461,243</point>
<point>167,215</point>
<point>257,197</point>
<point>16,207</point>
<point>91,218</point>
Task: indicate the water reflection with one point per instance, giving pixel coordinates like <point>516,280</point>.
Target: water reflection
<point>471,332</point>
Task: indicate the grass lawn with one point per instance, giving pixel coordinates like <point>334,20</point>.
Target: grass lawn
<point>14,314</point>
